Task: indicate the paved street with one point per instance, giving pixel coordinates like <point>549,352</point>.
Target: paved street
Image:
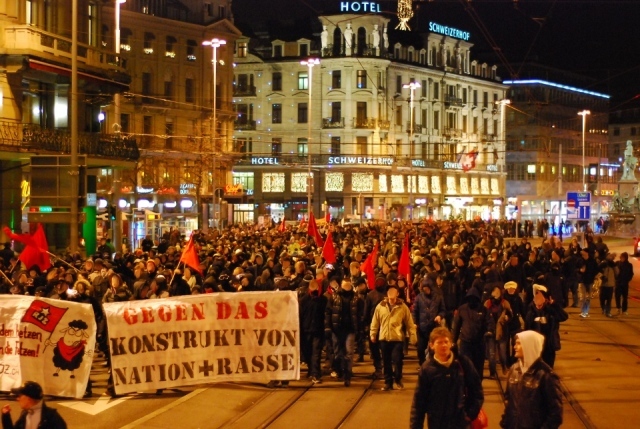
<point>599,366</point>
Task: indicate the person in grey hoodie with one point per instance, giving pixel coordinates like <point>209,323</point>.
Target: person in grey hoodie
<point>533,399</point>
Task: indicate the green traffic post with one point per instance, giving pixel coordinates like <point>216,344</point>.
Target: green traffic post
<point>90,230</point>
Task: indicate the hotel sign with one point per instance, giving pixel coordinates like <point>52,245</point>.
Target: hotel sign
<point>255,160</point>
<point>452,165</point>
<point>418,163</point>
<point>359,6</point>
<point>448,31</point>
<point>359,160</point>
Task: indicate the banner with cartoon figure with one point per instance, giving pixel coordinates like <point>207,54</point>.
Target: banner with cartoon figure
<point>48,341</point>
<point>211,338</point>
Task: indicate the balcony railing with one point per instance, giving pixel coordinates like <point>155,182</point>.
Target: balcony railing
<point>453,133</point>
<point>244,125</point>
<point>332,123</point>
<point>384,124</point>
<point>19,39</point>
<point>451,101</point>
<point>364,122</point>
<point>357,51</point>
<point>417,128</point>
<point>244,91</point>
<point>27,137</point>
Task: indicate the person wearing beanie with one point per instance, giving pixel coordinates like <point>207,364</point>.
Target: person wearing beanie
<point>533,396</point>
<point>428,313</point>
<point>544,316</point>
<point>35,413</point>
<point>312,305</point>
<point>516,323</point>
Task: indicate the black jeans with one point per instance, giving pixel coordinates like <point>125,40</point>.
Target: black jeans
<point>622,292</point>
<point>311,351</point>
<point>606,293</point>
<point>392,355</point>
<point>376,356</point>
<point>421,345</point>
<point>475,352</point>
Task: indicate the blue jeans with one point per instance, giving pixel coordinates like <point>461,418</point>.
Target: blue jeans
<point>344,345</point>
<point>586,303</point>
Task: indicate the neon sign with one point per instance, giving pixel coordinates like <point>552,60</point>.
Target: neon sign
<point>359,6</point>
<point>449,31</point>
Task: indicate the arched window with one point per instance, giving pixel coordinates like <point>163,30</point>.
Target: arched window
<point>337,42</point>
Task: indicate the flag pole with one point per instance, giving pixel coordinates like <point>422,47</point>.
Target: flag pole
<point>5,276</point>
<point>56,257</point>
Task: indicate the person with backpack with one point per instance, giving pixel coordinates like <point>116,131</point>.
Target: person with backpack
<point>608,270</point>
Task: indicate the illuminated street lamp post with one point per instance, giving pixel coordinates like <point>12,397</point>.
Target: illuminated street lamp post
<point>117,228</point>
<point>215,44</point>
<point>412,86</point>
<point>584,114</point>
<point>309,63</point>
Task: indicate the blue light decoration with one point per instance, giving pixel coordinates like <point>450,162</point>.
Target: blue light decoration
<point>555,85</point>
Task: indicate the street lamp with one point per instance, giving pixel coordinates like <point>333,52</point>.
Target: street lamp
<point>412,86</point>
<point>584,114</point>
<point>215,44</point>
<point>309,63</point>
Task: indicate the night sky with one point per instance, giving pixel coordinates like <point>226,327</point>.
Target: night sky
<point>596,38</point>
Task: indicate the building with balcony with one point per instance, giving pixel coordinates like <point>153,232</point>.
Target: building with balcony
<point>169,108</point>
<point>363,157</point>
<point>35,86</point>
<point>544,145</point>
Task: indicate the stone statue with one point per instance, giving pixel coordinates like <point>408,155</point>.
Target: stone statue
<point>324,36</point>
<point>630,163</point>
<point>376,37</point>
<point>348,40</point>
<point>385,38</point>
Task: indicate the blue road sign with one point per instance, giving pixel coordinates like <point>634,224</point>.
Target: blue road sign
<point>578,205</point>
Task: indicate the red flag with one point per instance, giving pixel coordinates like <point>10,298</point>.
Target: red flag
<point>312,231</point>
<point>283,225</point>
<point>35,248</point>
<point>404,266</point>
<point>44,315</point>
<point>468,160</point>
<point>190,256</point>
<point>328,252</point>
<point>368,267</point>
<point>327,217</point>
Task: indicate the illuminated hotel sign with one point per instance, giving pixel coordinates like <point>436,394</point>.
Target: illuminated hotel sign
<point>493,168</point>
<point>263,161</point>
<point>452,165</point>
<point>418,163</point>
<point>359,160</point>
<point>448,31</point>
<point>359,6</point>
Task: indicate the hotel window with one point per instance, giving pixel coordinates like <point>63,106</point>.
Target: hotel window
<point>485,99</point>
<point>276,81</point>
<point>276,113</point>
<point>303,80</point>
<point>336,112</point>
<point>124,122</point>
<point>495,127</point>
<point>191,50</point>
<point>362,146</point>
<point>336,79</point>
<point>399,115</point>
<point>276,146</point>
<point>304,49</point>
<point>335,145</point>
<point>475,125</point>
<point>92,27</point>
<point>423,89</point>
<point>303,149</point>
<point>475,97</point>
<point>169,46</point>
<point>436,120</point>
<point>464,123</point>
<point>361,78</point>
<point>147,83</point>
<point>222,12</point>
<point>436,90</point>
<point>399,84</point>
<point>148,42</point>
<point>302,113</point>
<point>189,90</point>
<point>168,87</point>
<point>242,49</point>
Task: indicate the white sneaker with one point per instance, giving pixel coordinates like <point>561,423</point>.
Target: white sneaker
<point>584,315</point>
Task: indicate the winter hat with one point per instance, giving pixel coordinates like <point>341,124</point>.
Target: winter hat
<point>511,285</point>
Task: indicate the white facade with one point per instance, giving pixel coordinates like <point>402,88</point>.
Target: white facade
<point>361,150</point>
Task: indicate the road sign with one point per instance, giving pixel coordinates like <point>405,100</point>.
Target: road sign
<point>578,205</point>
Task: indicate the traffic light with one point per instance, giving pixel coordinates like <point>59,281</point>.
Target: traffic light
<point>112,212</point>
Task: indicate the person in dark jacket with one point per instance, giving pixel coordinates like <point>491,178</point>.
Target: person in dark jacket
<point>312,306</point>
<point>372,300</point>
<point>30,399</point>
<point>516,323</point>
<point>625,274</point>
<point>544,315</point>
<point>533,398</point>
<point>469,326</point>
<point>428,312</point>
<point>589,270</point>
<point>449,390</point>
<point>343,319</point>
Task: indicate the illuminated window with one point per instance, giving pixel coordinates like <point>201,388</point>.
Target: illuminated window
<point>362,182</point>
<point>464,185</point>
<point>475,186</point>
<point>273,182</point>
<point>423,184</point>
<point>334,182</point>
<point>303,80</point>
<point>531,169</point>
<point>495,186</point>
<point>484,185</point>
<point>397,183</point>
<point>435,185</point>
<point>382,183</point>
<point>299,182</point>
<point>451,185</point>
<point>361,79</point>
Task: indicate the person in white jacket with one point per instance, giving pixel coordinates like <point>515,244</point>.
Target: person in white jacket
<point>391,321</point>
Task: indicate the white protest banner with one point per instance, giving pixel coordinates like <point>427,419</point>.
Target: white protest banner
<point>48,341</point>
<point>210,338</point>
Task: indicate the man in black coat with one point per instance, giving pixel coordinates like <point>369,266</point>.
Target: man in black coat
<point>371,301</point>
<point>35,412</point>
<point>312,305</point>
<point>449,390</point>
<point>625,274</point>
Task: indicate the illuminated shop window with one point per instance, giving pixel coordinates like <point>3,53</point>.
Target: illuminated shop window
<point>495,186</point>
<point>273,182</point>
<point>435,185</point>
<point>411,184</point>
<point>464,185</point>
<point>299,182</point>
<point>362,182</point>
<point>484,185</point>
<point>334,182</point>
<point>397,183</point>
<point>423,184</point>
<point>475,186</point>
<point>451,185</point>
<point>382,183</point>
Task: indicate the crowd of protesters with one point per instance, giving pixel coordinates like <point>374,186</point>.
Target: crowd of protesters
<point>467,277</point>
